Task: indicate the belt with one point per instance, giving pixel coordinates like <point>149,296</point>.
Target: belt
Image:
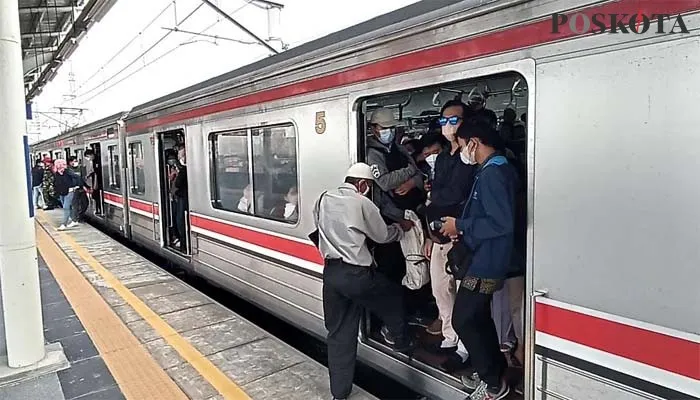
<point>481,285</point>
<point>339,261</point>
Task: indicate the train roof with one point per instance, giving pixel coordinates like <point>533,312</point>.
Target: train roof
<point>102,123</point>
<point>415,14</point>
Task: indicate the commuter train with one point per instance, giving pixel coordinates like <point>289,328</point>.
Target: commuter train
<point>612,305</point>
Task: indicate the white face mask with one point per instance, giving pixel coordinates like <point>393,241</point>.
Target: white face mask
<point>431,160</point>
<point>449,132</point>
<point>386,136</point>
<point>468,157</point>
<point>289,209</point>
<point>369,187</point>
<point>244,205</point>
<point>182,161</point>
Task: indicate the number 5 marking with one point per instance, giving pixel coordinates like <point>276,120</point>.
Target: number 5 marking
<point>321,122</point>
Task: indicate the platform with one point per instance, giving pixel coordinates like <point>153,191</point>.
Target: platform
<point>132,330</point>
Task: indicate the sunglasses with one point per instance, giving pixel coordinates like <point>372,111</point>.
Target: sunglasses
<point>451,120</point>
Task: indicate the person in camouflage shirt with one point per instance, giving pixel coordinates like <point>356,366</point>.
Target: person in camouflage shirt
<point>48,185</point>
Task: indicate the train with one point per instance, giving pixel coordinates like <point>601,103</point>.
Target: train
<point>612,306</point>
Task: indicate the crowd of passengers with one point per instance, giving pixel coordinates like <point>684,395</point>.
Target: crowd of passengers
<point>464,179</point>
<point>67,184</point>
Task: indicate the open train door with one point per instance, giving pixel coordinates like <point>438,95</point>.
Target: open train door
<point>174,204</point>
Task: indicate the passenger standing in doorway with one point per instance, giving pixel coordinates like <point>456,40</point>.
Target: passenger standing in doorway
<point>448,192</point>
<point>66,182</point>
<point>486,226</point>
<point>93,177</point>
<point>181,198</point>
<point>346,219</point>
<point>48,188</point>
<point>400,187</point>
<point>37,181</point>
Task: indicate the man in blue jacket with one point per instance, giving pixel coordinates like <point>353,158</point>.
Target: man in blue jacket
<point>486,226</point>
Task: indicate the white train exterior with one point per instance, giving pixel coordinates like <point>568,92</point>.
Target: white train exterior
<point>613,309</point>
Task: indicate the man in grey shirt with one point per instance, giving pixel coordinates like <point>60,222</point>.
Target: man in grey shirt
<point>346,219</point>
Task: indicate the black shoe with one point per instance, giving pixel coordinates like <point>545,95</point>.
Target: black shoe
<point>400,344</point>
<point>454,363</point>
<point>419,320</point>
<point>404,344</point>
<point>436,348</point>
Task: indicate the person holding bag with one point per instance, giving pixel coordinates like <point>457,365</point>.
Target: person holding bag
<point>481,255</point>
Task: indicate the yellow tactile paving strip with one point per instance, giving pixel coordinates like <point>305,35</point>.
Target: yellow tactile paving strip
<point>137,374</point>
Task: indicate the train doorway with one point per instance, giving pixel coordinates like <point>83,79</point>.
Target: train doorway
<point>174,198</point>
<point>499,101</point>
<point>96,180</point>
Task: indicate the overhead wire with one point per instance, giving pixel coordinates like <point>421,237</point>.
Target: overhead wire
<point>247,2</point>
<point>125,46</point>
<point>189,41</point>
<point>135,60</point>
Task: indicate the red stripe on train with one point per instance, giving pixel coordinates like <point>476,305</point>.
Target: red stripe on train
<point>149,208</point>
<point>112,197</point>
<point>286,246</point>
<point>658,350</point>
<point>518,37</point>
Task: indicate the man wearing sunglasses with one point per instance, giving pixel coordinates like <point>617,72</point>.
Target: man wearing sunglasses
<point>449,189</point>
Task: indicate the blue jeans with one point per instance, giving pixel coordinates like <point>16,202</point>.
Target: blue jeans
<point>38,197</point>
<point>67,202</point>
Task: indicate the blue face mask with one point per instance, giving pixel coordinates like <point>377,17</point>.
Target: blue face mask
<point>386,136</point>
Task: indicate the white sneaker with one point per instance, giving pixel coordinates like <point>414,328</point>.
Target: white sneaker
<point>73,224</point>
<point>61,228</point>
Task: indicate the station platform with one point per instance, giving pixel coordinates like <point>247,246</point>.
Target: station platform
<point>131,330</point>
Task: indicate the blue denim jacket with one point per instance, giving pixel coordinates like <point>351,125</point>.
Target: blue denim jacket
<point>487,221</point>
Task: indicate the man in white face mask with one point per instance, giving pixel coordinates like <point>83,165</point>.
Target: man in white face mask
<point>346,220</point>
<point>451,185</point>
<point>400,186</point>
<point>486,226</point>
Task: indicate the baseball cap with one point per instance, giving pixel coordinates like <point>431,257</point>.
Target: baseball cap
<point>384,118</point>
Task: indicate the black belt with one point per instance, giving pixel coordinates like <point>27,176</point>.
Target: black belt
<point>339,261</point>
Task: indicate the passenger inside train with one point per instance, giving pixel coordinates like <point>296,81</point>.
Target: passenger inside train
<point>273,192</point>
<point>174,189</point>
<point>427,174</point>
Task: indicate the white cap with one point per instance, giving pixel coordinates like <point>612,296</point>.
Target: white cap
<point>360,171</point>
<point>384,118</point>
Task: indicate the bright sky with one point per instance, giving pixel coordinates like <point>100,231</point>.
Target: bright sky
<point>110,76</point>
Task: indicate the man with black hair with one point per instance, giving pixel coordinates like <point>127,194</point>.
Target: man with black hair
<point>93,178</point>
<point>346,220</point>
<point>486,227</point>
<point>448,191</point>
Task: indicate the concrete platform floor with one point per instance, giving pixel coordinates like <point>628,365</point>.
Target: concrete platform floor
<point>204,349</point>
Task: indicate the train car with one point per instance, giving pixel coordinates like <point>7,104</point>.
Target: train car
<point>611,307</point>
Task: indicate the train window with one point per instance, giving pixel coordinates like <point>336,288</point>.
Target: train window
<point>114,175</point>
<point>275,172</point>
<point>230,178</point>
<point>138,177</point>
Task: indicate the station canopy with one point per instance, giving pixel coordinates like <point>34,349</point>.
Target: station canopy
<point>51,31</point>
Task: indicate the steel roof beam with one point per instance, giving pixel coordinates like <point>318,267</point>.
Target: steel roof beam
<point>42,34</point>
<point>33,10</point>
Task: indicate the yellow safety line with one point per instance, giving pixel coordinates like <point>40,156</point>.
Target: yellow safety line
<point>220,381</point>
<point>136,372</point>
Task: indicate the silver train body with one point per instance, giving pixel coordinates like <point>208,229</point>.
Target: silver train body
<point>612,305</point>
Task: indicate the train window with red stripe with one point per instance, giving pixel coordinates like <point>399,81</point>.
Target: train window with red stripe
<point>137,178</point>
